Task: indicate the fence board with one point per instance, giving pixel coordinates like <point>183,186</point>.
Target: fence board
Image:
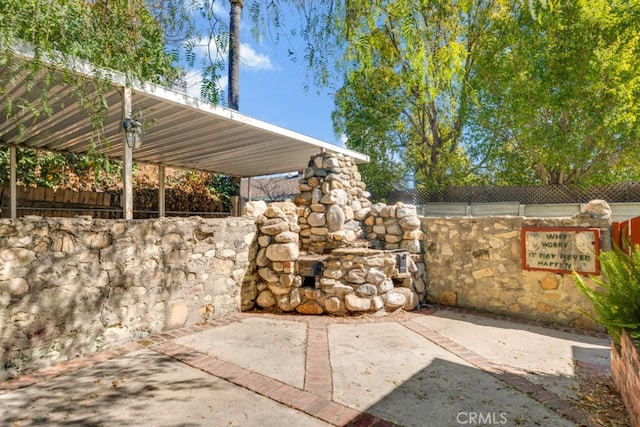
<point>444,209</point>
<point>69,203</point>
<point>622,211</point>
<point>488,209</point>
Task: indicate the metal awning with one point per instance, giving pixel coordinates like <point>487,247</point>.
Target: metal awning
<point>180,131</point>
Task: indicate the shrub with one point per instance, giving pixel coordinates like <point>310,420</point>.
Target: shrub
<point>617,303</point>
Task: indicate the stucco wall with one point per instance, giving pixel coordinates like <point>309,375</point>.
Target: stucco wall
<point>72,286</point>
<point>476,263</point>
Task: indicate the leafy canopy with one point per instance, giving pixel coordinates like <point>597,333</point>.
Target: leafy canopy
<point>557,99</point>
<point>405,88</point>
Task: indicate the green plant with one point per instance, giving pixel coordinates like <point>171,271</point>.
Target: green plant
<point>617,303</point>
<point>225,187</point>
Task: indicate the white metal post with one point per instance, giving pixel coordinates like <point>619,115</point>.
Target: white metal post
<point>161,206</point>
<point>13,190</point>
<point>127,163</point>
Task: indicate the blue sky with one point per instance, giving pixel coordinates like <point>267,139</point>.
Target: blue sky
<point>272,87</point>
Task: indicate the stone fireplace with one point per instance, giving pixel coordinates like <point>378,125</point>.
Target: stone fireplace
<point>333,251</point>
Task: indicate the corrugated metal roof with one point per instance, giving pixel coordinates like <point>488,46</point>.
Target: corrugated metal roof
<point>181,131</point>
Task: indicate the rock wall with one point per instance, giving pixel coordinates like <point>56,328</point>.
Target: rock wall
<point>476,263</point>
<point>73,286</point>
<point>277,285</point>
<point>333,228</point>
<point>358,280</point>
<point>332,201</point>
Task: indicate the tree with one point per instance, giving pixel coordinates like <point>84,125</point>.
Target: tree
<point>120,35</point>
<point>558,97</point>
<point>405,88</point>
<point>234,64</point>
<point>370,114</point>
<point>234,54</point>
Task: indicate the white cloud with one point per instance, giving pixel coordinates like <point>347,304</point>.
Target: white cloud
<point>223,83</point>
<point>219,9</point>
<point>204,49</point>
<point>343,139</point>
<point>253,60</point>
<point>250,60</point>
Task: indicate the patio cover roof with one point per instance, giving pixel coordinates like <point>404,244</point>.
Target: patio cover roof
<point>180,131</point>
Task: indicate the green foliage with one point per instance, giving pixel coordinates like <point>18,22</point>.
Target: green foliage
<point>617,305</point>
<point>120,35</point>
<point>557,98</point>
<point>225,187</point>
<point>37,168</point>
<point>405,91</point>
<point>370,118</point>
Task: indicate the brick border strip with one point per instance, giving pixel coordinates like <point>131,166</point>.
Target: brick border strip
<point>318,406</point>
<point>318,378</point>
<point>301,400</point>
<point>318,373</point>
<point>538,393</point>
<point>426,311</point>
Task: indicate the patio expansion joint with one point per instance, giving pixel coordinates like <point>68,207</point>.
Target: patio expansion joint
<point>561,406</point>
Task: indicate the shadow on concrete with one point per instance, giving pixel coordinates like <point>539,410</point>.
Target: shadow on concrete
<point>445,393</point>
<point>143,388</point>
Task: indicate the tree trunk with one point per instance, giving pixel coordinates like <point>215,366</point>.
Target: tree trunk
<point>234,55</point>
<point>233,90</point>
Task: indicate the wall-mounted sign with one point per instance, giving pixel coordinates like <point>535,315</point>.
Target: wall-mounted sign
<point>561,250</point>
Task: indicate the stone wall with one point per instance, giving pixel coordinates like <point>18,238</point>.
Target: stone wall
<point>72,286</point>
<point>332,251</point>
<point>332,201</point>
<point>349,280</point>
<point>476,263</point>
<point>625,370</point>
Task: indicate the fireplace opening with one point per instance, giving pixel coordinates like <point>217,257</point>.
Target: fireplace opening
<point>310,267</point>
<point>309,282</point>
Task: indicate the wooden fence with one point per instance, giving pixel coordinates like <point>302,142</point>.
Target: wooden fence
<point>68,203</point>
<point>61,203</point>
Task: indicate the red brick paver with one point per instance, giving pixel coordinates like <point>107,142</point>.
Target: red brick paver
<point>318,378</point>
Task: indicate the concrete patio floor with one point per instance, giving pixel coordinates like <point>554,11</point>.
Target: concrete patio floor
<point>432,367</point>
